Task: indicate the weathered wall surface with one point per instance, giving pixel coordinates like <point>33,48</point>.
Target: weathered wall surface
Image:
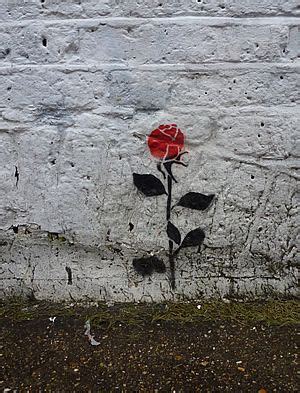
<point>82,85</point>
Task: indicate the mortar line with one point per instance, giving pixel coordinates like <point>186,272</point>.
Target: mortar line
<point>190,67</point>
<point>206,20</point>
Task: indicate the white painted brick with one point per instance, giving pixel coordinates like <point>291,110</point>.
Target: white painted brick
<point>219,144</point>
<point>75,111</point>
<point>180,41</point>
<point>206,87</point>
<point>31,9</point>
<point>53,94</point>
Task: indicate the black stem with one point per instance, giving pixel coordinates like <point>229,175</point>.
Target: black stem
<point>171,256</point>
<point>169,197</point>
<point>160,170</point>
<point>168,167</point>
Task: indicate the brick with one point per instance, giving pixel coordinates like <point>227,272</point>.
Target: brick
<point>180,41</point>
<point>65,9</point>
<point>53,93</point>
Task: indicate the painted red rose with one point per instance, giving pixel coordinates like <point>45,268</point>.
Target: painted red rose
<point>166,142</point>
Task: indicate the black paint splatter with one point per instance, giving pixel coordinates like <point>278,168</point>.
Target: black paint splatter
<point>17,175</point>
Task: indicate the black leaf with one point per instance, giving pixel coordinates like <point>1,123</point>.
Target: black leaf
<point>158,265</point>
<point>143,266</point>
<point>149,185</point>
<point>195,200</point>
<point>193,238</point>
<point>147,265</point>
<point>173,233</point>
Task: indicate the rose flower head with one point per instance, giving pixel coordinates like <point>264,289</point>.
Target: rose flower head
<point>166,142</point>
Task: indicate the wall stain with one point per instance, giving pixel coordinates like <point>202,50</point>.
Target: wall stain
<point>69,272</point>
<point>17,175</point>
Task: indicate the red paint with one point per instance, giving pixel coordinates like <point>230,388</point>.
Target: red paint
<point>166,142</point>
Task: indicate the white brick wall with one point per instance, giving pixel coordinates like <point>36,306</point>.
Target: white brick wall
<point>82,84</point>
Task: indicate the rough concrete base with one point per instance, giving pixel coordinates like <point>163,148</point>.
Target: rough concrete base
<point>48,266</point>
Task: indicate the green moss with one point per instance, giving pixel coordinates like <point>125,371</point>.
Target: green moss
<point>271,313</point>
<point>19,309</point>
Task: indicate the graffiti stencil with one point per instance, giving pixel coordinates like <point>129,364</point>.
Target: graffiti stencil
<point>166,145</point>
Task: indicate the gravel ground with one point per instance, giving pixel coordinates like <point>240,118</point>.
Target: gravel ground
<point>40,354</point>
